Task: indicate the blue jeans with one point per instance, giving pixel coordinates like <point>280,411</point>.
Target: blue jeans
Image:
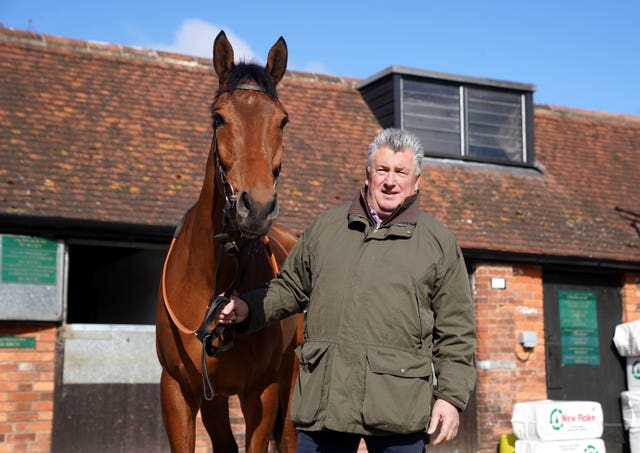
<point>337,442</point>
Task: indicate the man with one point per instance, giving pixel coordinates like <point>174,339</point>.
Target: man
<point>386,301</point>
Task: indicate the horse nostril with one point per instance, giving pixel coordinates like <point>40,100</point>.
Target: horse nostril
<point>273,208</point>
<point>245,202</point>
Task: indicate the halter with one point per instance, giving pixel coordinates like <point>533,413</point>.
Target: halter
<point>230,195</point>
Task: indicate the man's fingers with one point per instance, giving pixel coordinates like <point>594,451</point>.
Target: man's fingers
<point>446,415</point>
<point>442,434</point>
<point>433,425</point>
<point>236,310</point>
<point>447,433</point>
<point>227,314</point>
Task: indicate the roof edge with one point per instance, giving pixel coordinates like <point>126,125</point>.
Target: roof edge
<point>404,70</point>
<point>101,48</point>
<point>475,254</point>
<point>576,113</point>
<point>67,228</point>
<point>143,54</point>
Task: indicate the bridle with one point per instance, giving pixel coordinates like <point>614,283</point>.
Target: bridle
<point>233,244</point>
<point>230,195</point>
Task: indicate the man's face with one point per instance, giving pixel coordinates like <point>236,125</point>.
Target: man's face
<point>391,179</point>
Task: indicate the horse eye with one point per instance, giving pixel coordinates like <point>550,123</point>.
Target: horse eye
<point>284,122</point>
<point>276,172</point>
<point>218,120</point>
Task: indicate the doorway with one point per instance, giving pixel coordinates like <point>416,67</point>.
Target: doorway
<point>107,395</point>
<point>581,311</point>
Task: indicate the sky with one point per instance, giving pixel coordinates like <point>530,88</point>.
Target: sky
<point>579,54</point>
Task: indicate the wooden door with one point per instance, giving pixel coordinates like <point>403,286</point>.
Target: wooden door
<point>585,308</point>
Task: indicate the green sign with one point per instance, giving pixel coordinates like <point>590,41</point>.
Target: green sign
<point>28,260</point>
<point>18,342</point>
<point>579,327</point>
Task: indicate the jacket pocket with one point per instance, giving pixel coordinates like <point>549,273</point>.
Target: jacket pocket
<point>309,392</point>
<point>397,396</point>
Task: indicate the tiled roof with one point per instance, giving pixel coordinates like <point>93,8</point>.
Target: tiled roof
<point>107,133</point>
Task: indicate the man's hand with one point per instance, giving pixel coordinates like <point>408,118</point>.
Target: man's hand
<point>446,415</point>
<point>235,311</point>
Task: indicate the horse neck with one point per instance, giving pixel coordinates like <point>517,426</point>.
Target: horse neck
<point>205,218</point>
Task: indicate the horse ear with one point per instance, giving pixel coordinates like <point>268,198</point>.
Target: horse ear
<point>277,60</point>
<point>222,55</point>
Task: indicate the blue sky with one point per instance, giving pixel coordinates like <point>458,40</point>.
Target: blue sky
<point>580,54</point>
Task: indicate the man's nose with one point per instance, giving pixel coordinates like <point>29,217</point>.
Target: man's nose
<point>390,178</point>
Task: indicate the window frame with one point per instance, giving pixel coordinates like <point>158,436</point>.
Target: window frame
<point>384,93</point>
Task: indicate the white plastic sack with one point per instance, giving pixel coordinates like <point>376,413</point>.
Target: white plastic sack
<point>633,373</point>
<point>627,338</point>
<point>557,420</point>
<point>560,446</point>
<point>634,440</point>
<point>630,401</point>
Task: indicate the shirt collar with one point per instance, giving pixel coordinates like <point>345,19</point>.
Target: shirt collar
<point>406,213</point>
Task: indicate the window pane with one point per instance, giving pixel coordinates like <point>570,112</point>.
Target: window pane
<point>440,143</point>
<point>432,112</point>
<point>494,121</point>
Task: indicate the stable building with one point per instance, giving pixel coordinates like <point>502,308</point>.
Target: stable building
<point>103,148</point>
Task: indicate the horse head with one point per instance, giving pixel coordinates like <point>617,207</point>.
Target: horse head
<point>248,126</point>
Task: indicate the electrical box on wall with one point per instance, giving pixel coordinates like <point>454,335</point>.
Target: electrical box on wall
<point>528,339</point>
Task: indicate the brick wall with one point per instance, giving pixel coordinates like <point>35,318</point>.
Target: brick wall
<point>631,296</point>
<point>506,372</point>
<point>26,389</point>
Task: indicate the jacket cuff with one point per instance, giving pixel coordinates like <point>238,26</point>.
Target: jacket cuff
<point>458,404</point>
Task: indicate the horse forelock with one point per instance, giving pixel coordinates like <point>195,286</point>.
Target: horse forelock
<point>249,72</point>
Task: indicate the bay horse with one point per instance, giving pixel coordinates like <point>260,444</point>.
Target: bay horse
<point>227,242</point>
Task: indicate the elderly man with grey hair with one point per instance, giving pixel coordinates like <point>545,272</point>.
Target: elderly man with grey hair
<point>389,332</point>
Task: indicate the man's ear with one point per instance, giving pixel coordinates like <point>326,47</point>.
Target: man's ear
<point>418,182</point>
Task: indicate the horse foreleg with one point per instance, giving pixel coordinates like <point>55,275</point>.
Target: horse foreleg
<point>259,410</point>
<point>215,417</point>
<point>178,415</point>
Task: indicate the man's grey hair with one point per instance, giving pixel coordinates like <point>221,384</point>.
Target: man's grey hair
<point>397,140</point>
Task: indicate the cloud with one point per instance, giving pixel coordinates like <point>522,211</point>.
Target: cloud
<point>195,37</point>
<point>316,67</point>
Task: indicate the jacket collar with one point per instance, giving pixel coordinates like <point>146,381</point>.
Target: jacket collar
<point>406,213</point>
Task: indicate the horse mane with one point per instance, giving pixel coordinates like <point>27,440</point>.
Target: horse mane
<point>249,72</point>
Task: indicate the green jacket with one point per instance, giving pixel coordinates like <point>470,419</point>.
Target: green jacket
<point>383,307</point>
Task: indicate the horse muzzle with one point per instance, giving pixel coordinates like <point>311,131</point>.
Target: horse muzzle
<point>255,218</point>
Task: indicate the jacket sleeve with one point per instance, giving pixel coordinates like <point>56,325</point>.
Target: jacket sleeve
<point>454,329</point>
<point>286,294</point>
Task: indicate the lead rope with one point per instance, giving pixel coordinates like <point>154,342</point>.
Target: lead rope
<point>207,336</point>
